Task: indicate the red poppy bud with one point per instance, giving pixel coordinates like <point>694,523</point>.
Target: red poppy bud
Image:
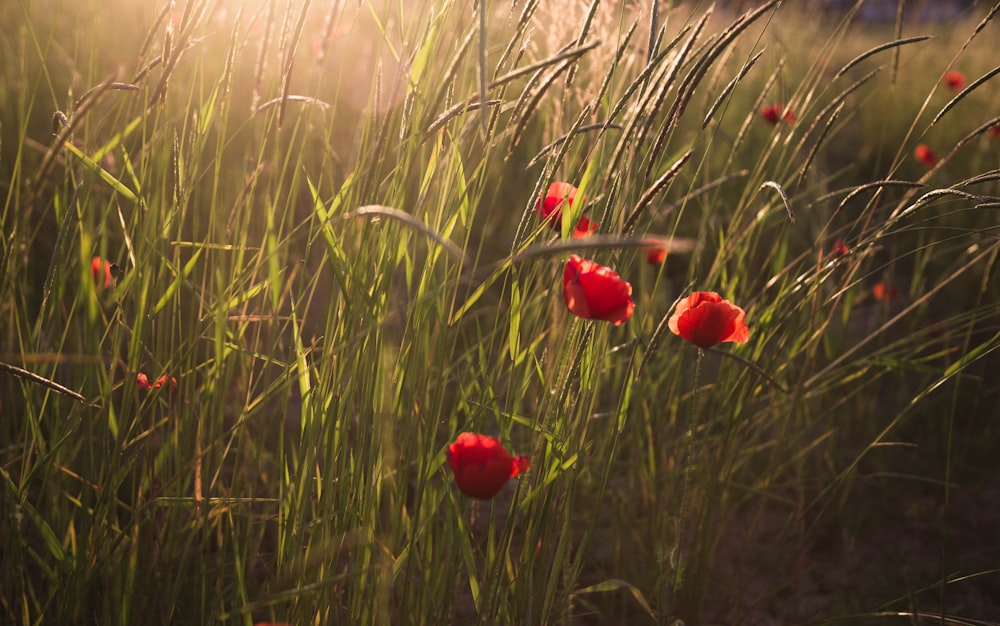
<point>592,291</point>
<point>705,319</point>
<point>482,466</point>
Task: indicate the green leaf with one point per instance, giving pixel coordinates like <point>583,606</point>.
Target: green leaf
<point>176,283</point>
<point>48,536</point>
<point>972,355</point>
<point>273,261</point>
<point>477,294</point>
<point>115,141</point>
<point>104,175</point>
<point>514,336</point>
<point>573,212</point>
<point>615,584</point>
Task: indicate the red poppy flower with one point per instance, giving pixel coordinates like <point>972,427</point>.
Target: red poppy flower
<point>954,80</point>
<point>994,131</point>
<point>839,249</point>
<point>883,292</point>
<point>549,207</point>
<point>705,319</point>
<point>655,256</point>
<point>100,268</point>
<point>142,382</point>
<point>595,292</point>
<point>775,113</point>
<point>925,155</point>
<point>482,466</point>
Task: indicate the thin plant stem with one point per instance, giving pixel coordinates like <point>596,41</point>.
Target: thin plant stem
<point>689,461</point>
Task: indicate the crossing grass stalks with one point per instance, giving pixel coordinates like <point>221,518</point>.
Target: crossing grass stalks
<point>322,221</point>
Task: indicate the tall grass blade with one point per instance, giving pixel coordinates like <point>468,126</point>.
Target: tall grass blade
<point>873,51</point>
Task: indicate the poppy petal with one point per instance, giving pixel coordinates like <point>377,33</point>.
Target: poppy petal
<point>593,291</point>
<point>101,269</point>
<point>705,319</point>
<point>550,205</point>
<point>481,465</point>
<point>656,256</point>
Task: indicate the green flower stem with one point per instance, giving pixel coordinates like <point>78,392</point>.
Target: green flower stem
<point>689,461</point>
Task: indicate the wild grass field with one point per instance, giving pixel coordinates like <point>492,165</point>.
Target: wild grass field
<point>263,263</point>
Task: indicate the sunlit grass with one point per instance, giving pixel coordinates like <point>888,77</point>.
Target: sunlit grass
<point>324,227</point>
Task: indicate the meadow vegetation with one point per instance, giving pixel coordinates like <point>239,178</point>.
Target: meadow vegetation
<point>262,263</point>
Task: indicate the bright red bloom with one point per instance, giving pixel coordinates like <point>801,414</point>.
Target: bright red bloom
<point>482,466</point>
<point>770,113</point>
<point>655,256</point>
<point>839,249</point>
<point>595,292</point>
<point>585,227</point>
<point>925,155</point>
<point>549,207</point>
<point>954,80</point>
<point>775,113</point>
<point>883,292</point>
<point>142,382</point>
<point>705,319</point>
<point>100,268</point>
